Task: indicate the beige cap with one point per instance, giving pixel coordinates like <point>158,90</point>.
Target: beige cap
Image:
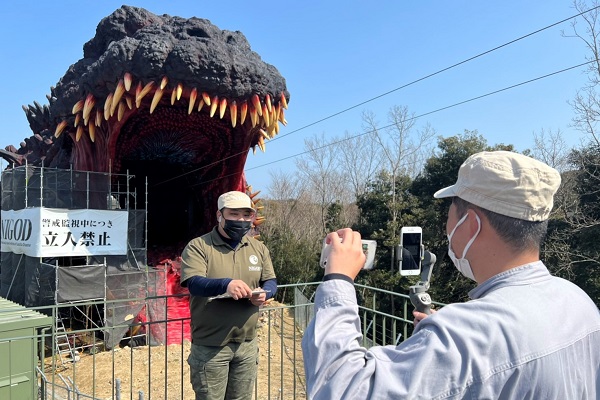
<point>235,199</point>
<point>506,183</point>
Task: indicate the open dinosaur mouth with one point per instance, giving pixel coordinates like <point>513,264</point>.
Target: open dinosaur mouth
<point>185,147</point>
<point>177,103</point>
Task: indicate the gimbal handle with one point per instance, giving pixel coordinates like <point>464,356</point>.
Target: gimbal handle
<point>419,297</point>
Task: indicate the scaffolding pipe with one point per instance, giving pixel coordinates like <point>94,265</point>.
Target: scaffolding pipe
<point>87,189</point>
<point>26,181</point>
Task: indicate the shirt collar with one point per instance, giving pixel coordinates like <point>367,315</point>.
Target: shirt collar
<point>522,275</point>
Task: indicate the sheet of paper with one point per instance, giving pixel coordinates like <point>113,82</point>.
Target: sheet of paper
<point>228,296</point>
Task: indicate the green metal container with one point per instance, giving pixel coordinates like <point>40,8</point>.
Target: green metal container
<point>19,344</point>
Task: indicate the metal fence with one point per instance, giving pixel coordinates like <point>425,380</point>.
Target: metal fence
<point>138,368</point>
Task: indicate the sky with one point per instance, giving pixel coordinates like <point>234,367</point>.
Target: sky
<point>337,55</point>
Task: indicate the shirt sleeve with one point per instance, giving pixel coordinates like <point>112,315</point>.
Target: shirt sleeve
<point>193,261</point>
<point>207,287</point>
<point>337,366</point>
<point>270,286</point>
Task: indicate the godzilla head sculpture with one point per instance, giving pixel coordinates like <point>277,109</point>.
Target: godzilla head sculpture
<point>176,101</point>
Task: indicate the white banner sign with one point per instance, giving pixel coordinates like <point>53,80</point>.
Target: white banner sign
<point>53,232</point>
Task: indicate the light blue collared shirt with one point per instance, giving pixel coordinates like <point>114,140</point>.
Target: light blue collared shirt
<point>524,335</point>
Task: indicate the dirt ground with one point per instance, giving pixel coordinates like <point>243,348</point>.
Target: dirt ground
<point>280,370</point>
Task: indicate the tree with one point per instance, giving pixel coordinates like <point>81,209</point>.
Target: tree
<point>551,148</point>
<point>291,231</point>
<point>320,175</point>
<point>403,151</point>
<point>586,102</point>
<point>360,157</point>
<point>571,249</point>
<point>333,221</point>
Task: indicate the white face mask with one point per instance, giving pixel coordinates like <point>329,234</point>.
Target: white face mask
<point>462,264</point>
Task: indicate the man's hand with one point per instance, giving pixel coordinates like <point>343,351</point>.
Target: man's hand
<point>346,256</point>
<point>258,299</point>
<point>419,316</point>
<point>238,289</point>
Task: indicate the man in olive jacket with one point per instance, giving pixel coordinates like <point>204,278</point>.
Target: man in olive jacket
<point>229,276</point>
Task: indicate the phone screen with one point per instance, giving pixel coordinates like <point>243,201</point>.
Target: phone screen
<point>411,251</point>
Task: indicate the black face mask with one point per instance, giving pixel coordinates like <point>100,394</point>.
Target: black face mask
<point>236,229</point>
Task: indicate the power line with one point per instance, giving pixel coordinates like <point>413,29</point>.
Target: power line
<point>434,73</point>
<point>395,90</point>
<point>409,119</point>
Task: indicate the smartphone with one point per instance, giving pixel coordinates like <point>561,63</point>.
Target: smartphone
<point>410,250</point>
<point>368,246</point>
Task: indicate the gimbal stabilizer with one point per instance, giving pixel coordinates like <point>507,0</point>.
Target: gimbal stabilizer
<point>418,293</point>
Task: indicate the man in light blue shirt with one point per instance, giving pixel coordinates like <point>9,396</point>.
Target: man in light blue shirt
<point>524,334</point>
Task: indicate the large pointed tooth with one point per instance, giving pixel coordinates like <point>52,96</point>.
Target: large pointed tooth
<point>79,133</point>
<point>213,105</point>
<point>253,149</point>
<point>243,112</point>
<point>193,95</point>
<point>98,117</point>
<point>107,105</point>
<point>156,99</point>
<point>138,91</point>
<point>265,115</point>
<point>206,98</point>
<point>277,128</point>
<point>222,107</point>
<point>117,97</point>
<point>283,101</point>
<point>92,132</point>
<point>176,93</point>
<point>261,144</point>
<point>253,116</point>
<point>163,82</point>
<point>77,107</point>
<point>60,128</point>
<point>256,103</point>
<point>263,133</point>
<point>281,116</point>
<point>273,116</point>
<point>129,101</point>
<point>259,220</point>
<point>121,111</point>
<point>200,104</point>
<point>142,93</point>
<point>127,81</point>
<point>268,102</point>
<point>271,131</point>
<point>233,113</point>
<point>276,111</point>
<point>87,108</point>
<point>77,120</point>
